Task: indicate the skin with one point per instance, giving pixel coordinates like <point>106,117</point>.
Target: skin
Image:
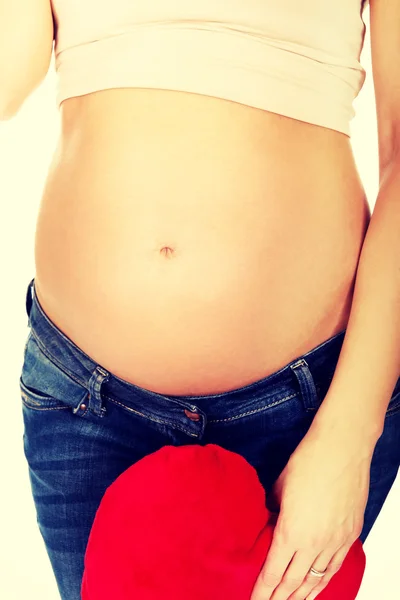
<point>172,216</point>
<point>323,490</point>
<point>176,211</point>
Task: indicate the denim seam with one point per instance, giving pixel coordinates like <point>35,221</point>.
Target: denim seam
<point>150,418</point>
<point>393,409</point>
<point>55,330</point>
<point>252,412</point>
<point>23,387</point>
<point>41,407</point>
<point>56,362</point>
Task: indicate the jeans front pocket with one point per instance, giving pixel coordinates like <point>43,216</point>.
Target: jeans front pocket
<point>44,383</point>
<point>394,404</point>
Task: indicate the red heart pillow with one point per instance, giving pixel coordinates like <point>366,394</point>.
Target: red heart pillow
<point>189,523</point>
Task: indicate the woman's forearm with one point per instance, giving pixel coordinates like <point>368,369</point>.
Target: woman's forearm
<point>26,43</point>
<point>369,362</point>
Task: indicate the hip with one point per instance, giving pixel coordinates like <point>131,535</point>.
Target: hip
<point>94,425</point>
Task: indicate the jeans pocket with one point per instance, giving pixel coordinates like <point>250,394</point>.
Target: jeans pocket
<point>394,404</point>
<point>44,384</point>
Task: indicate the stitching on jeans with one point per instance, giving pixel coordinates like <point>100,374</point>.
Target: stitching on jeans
<point>42,407</point>
<point>301,361</point>
<point>393,409</point>
<point>56,362</point>
<point>150,418</point>
<point>252,412</point>
<point>23,387</point>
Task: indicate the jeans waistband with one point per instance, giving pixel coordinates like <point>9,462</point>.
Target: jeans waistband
<point>320,363</point>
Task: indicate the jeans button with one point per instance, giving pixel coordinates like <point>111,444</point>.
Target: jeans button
<point>193,416</point>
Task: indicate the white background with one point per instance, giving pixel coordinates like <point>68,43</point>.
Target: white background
<point>27,143</point>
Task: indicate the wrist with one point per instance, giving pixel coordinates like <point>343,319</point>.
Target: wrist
<point>347,430</point>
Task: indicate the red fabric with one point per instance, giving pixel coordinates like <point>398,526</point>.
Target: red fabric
<point>189,523</point>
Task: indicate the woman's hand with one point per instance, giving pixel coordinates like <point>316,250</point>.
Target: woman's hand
<point>321,496</point>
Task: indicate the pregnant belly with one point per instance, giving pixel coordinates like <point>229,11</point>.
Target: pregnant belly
<point>190,265</point>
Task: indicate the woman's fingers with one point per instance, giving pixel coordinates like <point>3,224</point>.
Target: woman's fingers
<point>298,576</point>
<point>286,572</point>
<point>278,559</point>
<point>333,567</point>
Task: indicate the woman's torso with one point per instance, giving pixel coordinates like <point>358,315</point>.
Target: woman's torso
<point>193,245</point>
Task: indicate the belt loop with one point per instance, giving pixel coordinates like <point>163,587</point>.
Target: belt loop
<point>29,300</point>
<point>95,382</point>
<point>308,390</point>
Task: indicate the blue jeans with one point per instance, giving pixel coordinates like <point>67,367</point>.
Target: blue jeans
<point>84,426</point>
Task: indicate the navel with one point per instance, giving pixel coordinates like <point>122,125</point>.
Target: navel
<point>167,252</point>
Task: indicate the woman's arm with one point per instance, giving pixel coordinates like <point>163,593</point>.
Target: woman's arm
<point>26,44</point>
<point>369,362</point>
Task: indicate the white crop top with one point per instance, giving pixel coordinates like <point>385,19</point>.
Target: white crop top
<point>298,58</point>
